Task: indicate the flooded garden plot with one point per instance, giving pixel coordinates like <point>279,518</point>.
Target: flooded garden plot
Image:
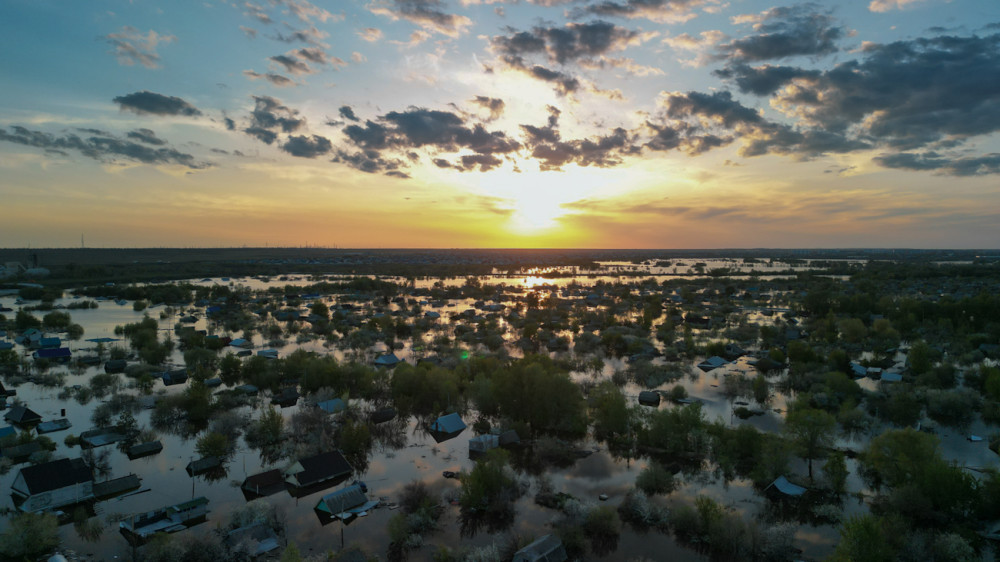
<point>666,414</point>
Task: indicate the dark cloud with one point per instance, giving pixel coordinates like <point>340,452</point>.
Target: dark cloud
<point>146,102</point>
<point>270,118</point>
<point>764,80</point>
<point>230,124</point>
<point>786,32</point>
<point>655,10</point>
<point>932,161</point>
<point>563,83</point>
<point>718,107</point>
<point>347,113</point>
<point>370,161</point>
<point>495,106</point>
<point>291,64</point>
<point>276,79</point>
<point>147,136</point>
<point>308,35</point>
<point>428,14</point>
<point>401,132</point>
<point>104,148</point>
<point>565,44</point>
<point>307,147</point>
<point>907,94</point>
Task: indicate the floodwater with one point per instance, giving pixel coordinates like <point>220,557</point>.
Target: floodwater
<point>165,481</point>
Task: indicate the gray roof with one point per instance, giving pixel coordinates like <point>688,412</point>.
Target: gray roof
<point>546,549</point>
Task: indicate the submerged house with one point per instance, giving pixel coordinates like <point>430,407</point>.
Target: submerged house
<point>53,484</point>
<point>446,427</point>
<point>256,539</point>
<point>782,486</point>
<point>168,519</point>
<point>649,398</point>
<point>387,360</point>
<point>263,484</point>
<point>177,376</point>
<point>58,354</point>
<point>318,469</point>
<point>713,362</point>
<point>546,549</point>
<point>332,406</point>
<point>482,443</point>
<point>144,449</point>
<point>345,503</point>
<point>22,415</point>
<point>52,426</point>
<point>203,465</point>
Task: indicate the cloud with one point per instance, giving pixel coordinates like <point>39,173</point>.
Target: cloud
<point>428,14</point>
<point>785,32</point>
<point>400,132</point>
<point>661,11</point>
<point>309,36</point>
<point>257,12</point>
<point>307,147</point>
<point>306,11</point>
<point>276,79</point>
<point>271,118</point>
<point>905,94</point>
<point>102,147</point>
<point>887,5</point>
<point>369,161</point>
<point>291,63</point>
<point>249,31</point>
<point>563,83</point>
<point>370,34</point>
<point>131,46</point>
<point>932,161</point>
<point>347,113</point>
<point>569,43</point>
<point>766,79</point>
<point>147,136</point>
<point>146,102</point>
<point>494,106</point>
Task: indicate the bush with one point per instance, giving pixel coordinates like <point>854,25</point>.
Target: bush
<point>655,479</point>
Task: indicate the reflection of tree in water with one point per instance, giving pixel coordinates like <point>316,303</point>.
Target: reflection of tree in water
<point>545,454</point>
<point>390,435</point>
<point>214,475</point>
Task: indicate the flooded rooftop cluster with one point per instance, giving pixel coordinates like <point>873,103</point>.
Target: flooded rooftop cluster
<point>672,408</point>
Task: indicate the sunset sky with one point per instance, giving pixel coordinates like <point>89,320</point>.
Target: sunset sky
<point>492,123</point>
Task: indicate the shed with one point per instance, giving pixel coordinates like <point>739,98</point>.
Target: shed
<point>483,443</point>
<point>257,539</point>
<point>53,426</point>
<point>22,415</point>
<point>316,469</point>
<point>100,437</point>
<point>891,377</point>
<point>53,484</point>
<point>383,415</point>
<point>387,360</point>
<point>342,501</point>
<point>546,549</point>
<point>268,353</point>
<point>7,431</point>
<point>203,465</point>
<point>115,366</point>
<point>713,362</point>
<point>649,398</point>
<point>782,485</point>
<point>264,483</point>
<point>176,376</point>
<point>53,354</point>
<point>448,424</point>
<point>144,449</point>
<point>332,406</point>
<point>509,438</point>
<point>287,397</point>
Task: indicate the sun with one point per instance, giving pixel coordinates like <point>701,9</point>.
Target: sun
<point>539,200</point>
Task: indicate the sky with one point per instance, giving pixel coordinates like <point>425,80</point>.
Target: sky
<point>500,123</point>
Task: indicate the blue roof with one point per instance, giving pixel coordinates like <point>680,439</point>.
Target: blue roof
<point>891,377</point>
<point>451,423</point>
<point>332,406</point>
<point>5,431</point>
<point>787,488</point>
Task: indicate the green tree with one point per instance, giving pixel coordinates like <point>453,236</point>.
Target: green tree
<point>835,470</point>
<point>867,538</point>
<point>812,431</point>
<point>213,445</point>
<point>29,536</point>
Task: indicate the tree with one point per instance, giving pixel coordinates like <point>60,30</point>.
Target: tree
<point>29,536</point>
<point>812,432</point>
<point>213,445</point>
<point>835,470</point>
<point>867,538</point>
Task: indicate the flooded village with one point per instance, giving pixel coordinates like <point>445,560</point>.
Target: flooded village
<point>499,405</point>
